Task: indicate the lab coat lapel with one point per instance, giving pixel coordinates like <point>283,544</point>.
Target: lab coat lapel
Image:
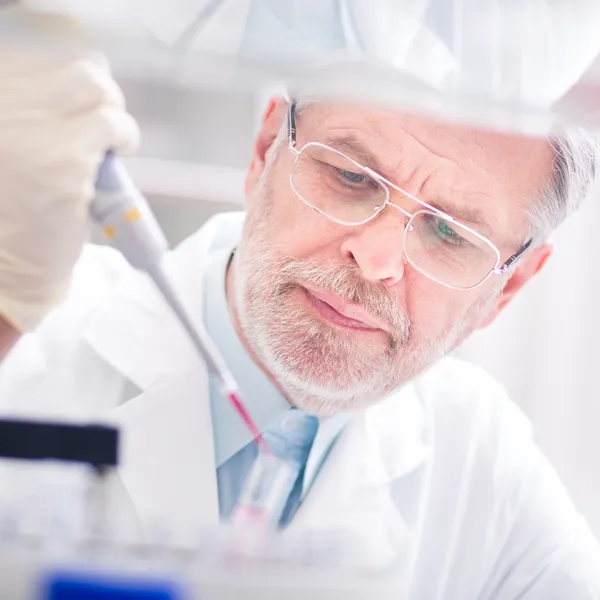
<point>167,456</point>
<point>353,492</point>
<point>136,332</point>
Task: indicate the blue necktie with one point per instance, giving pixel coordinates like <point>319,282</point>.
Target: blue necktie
<point>291,441</point>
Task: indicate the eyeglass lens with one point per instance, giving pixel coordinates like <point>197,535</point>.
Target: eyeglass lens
<point>341,189</point>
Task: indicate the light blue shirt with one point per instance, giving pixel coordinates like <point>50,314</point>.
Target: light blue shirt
<point>293,435</point>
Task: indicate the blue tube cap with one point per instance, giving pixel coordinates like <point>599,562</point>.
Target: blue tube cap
<point>67,585</point>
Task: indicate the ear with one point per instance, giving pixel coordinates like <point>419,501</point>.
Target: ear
<point>272,120</point>
<point>532,264</point>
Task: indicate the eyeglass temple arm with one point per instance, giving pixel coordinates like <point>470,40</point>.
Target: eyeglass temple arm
<point>292,124</point>
<point>514,258</point>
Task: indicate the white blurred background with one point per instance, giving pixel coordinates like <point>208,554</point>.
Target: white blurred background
<point>544,350</point>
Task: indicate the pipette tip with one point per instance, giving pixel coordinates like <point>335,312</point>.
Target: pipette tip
<point>248,421</point>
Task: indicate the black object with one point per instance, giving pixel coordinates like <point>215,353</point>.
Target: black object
<point>96,445</point>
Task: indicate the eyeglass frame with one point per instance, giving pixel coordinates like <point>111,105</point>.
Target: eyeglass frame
<point>497,269</point>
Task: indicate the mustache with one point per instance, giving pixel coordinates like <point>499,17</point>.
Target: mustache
<point>346,281</point>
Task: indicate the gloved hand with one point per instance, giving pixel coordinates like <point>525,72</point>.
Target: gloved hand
<point>58,117</point>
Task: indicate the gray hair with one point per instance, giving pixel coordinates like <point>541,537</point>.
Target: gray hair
<point>576,153</point>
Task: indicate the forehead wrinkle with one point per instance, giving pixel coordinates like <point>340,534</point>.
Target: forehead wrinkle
<point>448,160</point>
<point>446,133</point>
<point>471,215</point>
<point>468,215</point>
<point>465,205</point>
<point>474,162</point>
<point>352,144</point>
<point>350,140</point>
<point>464,151</point>
<point>498,212</point>
<point>355,140</point>
<point>474,152</point>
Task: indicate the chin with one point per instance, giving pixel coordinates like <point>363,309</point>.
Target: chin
<point>325,402</point>
<point>323,381</point>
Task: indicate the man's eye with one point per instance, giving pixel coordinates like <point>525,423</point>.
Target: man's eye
<point>445,232</point>
<point>352,177</point>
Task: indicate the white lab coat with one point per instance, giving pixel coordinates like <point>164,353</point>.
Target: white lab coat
<point>442,477</point>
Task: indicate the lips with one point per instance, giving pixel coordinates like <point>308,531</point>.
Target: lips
<point>333,308</point>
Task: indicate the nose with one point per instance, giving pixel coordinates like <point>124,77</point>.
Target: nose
<point>377,248</point>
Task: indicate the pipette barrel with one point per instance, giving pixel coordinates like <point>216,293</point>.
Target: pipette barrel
<point>123,213</point>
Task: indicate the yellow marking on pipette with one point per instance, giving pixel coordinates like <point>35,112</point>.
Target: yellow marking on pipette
<point>110,231</point>
<point>133,215</point>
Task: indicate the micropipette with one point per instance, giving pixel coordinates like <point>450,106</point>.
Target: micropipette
<point>123,213</point>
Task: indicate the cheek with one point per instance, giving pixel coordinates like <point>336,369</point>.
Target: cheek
<point>294,229</point>
<point>434,310</point>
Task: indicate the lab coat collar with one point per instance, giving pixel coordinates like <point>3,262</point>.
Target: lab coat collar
<point>136,332</point>
<point>394,434</point>
<point>353,493</point>
<point>167,462</point>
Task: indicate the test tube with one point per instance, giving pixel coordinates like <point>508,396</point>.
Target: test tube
<point>265,492</point>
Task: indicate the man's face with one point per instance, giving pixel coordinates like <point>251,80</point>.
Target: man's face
<point>336,314</point>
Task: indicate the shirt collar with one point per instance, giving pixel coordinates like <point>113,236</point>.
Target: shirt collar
<point>264,401</point>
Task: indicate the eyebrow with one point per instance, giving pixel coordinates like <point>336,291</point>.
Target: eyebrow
<point>350,143</point>
<point>463,214</point>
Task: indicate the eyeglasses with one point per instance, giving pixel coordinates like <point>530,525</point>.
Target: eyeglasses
<point>351,194</point>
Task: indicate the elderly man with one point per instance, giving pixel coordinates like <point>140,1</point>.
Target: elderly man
<point>374,242</point>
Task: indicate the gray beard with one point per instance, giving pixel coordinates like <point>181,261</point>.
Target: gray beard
<point>317,366</point>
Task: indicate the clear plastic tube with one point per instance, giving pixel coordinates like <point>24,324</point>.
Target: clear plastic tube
<point>265,492</point>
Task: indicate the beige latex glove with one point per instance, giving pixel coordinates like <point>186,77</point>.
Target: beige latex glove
<point>58,117</point>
